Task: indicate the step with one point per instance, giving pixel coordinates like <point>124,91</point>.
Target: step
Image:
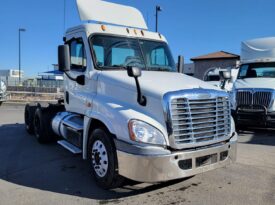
<point>73,149</point>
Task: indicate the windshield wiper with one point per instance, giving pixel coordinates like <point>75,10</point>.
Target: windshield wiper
<point>160,69</point>
<point>121,67</point>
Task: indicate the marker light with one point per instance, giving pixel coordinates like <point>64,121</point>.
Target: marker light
<point>142,33</point>
<point>103,27</point>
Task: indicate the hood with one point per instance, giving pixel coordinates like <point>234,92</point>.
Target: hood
<point>255,83</point>
<point>153,83</point>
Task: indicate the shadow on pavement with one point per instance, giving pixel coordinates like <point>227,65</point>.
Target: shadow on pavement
<point>50,167</point>
<point>259,136</point>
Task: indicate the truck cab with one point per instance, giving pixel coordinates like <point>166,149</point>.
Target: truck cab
<point>127,109</point>
<point>254,90</point>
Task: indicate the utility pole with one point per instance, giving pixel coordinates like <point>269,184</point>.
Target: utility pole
<point>19,31</point>
<point>64,17</point>
<point>158,9</point>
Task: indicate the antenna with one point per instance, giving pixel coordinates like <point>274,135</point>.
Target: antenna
<point>64,17</point>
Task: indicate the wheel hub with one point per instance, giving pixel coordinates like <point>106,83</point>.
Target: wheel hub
<point>99,158</point>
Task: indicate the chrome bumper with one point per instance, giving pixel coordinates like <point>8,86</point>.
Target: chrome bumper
<point>148,168</point>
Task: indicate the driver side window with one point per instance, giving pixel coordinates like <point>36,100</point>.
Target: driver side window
<point>78,55</point>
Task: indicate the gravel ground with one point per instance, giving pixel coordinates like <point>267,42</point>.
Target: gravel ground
<point>31,173</point>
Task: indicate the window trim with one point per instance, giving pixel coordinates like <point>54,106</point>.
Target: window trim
<point>78,39</point>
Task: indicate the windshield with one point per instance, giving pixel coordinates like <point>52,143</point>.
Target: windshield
<point>119,52</point>
<point>257,70</point>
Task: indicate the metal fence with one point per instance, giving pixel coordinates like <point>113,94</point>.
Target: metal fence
<point>33,89</point>
<point>32,85</point>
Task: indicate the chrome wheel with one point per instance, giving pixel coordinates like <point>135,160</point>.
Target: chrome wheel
<point>99,158</point>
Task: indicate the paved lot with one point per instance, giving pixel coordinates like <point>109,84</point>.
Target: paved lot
<point>31,173</point>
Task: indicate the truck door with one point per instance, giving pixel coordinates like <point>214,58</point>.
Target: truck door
<point>79,97</point>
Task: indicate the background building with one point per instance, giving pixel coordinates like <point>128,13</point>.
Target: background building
<point>220,59</point>
<point>189,69</point>
<point>11,76</point>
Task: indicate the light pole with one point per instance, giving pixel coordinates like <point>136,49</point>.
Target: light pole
<point>158,9</point>
<point>19,31</point>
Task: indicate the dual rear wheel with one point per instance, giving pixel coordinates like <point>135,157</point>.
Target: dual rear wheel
<point>38,121</point>
<point>101,147</point>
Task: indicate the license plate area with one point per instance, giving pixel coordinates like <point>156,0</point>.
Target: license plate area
<point>206,160</point>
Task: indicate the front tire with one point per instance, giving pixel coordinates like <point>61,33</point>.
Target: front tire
<point>103,158</point>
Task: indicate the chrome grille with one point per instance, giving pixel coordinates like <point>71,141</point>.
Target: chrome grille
<point>254,97</point>
<point>199,119</point>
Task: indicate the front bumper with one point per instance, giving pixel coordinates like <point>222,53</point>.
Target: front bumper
<point>254,118</point>
<point>176,165</point>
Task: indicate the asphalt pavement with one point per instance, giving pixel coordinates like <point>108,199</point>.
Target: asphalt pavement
<point>31,173</point>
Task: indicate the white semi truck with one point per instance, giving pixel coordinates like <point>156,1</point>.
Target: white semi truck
<point>253,92</point>
<point>3,92</point>
<point>127,109</point>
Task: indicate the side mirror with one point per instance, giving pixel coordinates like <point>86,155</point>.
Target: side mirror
<point>80,79</point>
<point>180,64</point>
<point>225,75</point>
<point>64,62</point>
<point>134,71</point>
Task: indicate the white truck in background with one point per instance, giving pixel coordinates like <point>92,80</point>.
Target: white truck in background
<point>253,92</point>
<point>127,109</point>
<point>3,92</point>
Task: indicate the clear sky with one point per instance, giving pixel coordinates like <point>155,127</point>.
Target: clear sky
<point>192,27</point>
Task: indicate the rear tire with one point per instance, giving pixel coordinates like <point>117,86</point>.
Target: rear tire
<point>29,118</point>
<point>103,158</point>
<point>1,103</point>
<point>42,125</point>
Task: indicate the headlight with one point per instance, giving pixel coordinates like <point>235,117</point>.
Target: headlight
<point>143,132</point>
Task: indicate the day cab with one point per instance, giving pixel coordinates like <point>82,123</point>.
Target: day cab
<point>127,109</point>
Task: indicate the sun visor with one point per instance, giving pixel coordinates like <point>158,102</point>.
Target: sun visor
<point>106,12</point>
